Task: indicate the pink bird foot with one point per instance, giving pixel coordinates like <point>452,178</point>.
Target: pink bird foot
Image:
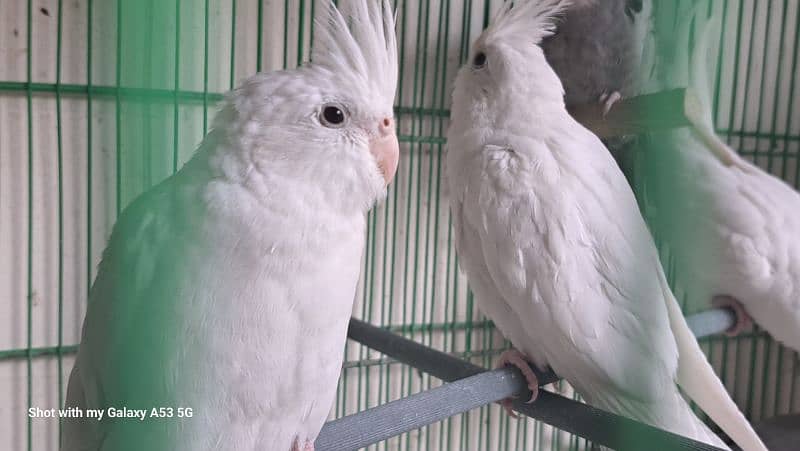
<point>608,100</point>
<point>308,446</point>
<point>512,357</point>
<point>743,320</point>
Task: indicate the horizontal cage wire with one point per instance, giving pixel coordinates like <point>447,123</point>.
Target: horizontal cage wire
<point>101,100</point>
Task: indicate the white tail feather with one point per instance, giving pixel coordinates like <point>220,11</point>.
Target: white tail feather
<point>698,380</point>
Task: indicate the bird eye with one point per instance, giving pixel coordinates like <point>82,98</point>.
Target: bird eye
<point>479,60</point>
<point>332,116</point>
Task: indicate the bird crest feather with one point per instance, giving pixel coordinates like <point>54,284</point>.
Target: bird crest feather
<point>358,43</point>
<point>534,19</point>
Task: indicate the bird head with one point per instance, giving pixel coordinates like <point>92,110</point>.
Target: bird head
<point>329,123</point>
<point>507,68</point>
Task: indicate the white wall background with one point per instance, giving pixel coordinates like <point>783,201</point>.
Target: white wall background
<point>57,208</point>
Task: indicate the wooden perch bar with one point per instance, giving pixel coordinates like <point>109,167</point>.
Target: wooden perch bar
<point>646,113</point>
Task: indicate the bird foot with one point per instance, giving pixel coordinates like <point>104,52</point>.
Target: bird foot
<point>608,100</point>
<point>513,357</point>
<point>308,446</point>
<point>743,320</point>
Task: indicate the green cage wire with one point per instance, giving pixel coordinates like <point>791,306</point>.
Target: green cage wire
<point>102,99</point>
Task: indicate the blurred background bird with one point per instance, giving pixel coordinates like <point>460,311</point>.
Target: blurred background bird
<point>227,288</point>
<point>726,226</point>
<point>597,49</point>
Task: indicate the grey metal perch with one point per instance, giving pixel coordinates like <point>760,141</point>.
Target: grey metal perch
<point>711,322</point>
<point>472,386</point>
<point>394,418</point>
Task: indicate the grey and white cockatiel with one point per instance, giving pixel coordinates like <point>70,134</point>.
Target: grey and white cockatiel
<point>227,288</point>
<point>556,251</point>
<point>727,226</point>
<point>596,49</point>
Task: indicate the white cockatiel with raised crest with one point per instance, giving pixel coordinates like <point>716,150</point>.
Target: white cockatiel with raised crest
<point>227,288</point>
<point>552,241</point>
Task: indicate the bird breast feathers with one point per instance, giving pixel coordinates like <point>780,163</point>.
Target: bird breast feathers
<point>543,242</point>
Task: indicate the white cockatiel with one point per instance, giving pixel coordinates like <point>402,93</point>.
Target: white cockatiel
<point>227,288</point>
<point>730,230</point>
<point>555,249</point>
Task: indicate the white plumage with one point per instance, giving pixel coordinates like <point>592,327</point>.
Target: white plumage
<point>731,228</point>
<point>550,236</point>
<point>228,287</point>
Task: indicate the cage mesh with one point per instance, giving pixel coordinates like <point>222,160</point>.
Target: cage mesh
<point>100,100</point>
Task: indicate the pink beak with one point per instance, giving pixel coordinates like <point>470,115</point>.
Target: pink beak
<point>386,149</point>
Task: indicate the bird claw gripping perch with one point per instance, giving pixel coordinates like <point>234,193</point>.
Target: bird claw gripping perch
<point>513,357</point>
<point>608,100</point>
<point>307,446</point>
<point>743,319</point>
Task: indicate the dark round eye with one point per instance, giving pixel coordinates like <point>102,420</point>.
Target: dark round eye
<point>332,116</point>
<point>479,60</point>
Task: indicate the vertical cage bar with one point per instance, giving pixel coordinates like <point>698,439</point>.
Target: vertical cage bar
<point>789,115</point>
<point>747,78</point>
<point>29,338</point>
<point>300,26</point>
<point>718,84</point>
<point>233,45</point>
<point>176,87</point>
<point>117,112</point>
<point>737,49</point>
<point>313,15</point>
<point>89,185</point>
<point>60,181</point>
<point>147,82</point>
<point>285,34</point>
<point>418,244</point>
<point>762,87</point>
<point>776,95</point>
<point>205,68</point>
<point>260,35</point>
<point>775,98</point>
